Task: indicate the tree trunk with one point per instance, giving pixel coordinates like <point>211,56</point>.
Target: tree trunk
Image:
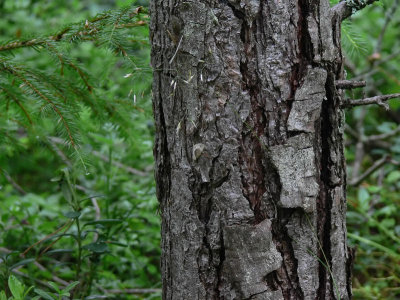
<point>249,156</point>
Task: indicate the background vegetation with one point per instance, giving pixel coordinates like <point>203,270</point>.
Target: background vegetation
<point>372,48</point>
<point>83,209</point>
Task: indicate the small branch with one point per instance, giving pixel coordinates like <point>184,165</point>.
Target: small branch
<point>383,135</point>
<point>388,18</point>
<point>347,8</point>
<point>117,164</point>
<point>349,84</point>
<point>370,170</point>
<point>348,103</point>
<point>88,29</point>
<point>55,278</point>
<point>120,165</point>
<point>370,72</point>
<point>59,152</point>
<point>14,184</point>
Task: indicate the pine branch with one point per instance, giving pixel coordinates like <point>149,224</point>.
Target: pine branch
<point>87,30</point>
<point>15,99</point>
<point>15,72</point>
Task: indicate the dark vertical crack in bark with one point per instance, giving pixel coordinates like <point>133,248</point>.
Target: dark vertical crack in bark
<point>304,55</point>
<point>324,200</point>
<point>252,152</point>
<point>163,174</point>
<point>210,267</point>
<point>261,175</point>
<point>220,265</point>
<point>286,277</point>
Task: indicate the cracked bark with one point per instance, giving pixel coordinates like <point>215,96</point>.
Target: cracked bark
<point>249,151</point>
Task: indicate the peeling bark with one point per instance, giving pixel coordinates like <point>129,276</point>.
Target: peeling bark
<point>249,150</point>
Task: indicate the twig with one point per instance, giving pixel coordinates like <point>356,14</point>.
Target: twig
<point>35,279</point>
<point>66,225</point>
<point>370,170</point>
<point>55,278</point>
<point>388,18</point>
<point>59,152</point>
<point>40,267</point>
<point>82,32</point>
<point>14,184</point>
<point>383,135</point>
<point>370,72</point>
<point>372,100</point>
<point>120,165</point>
<point>349,84</point>
<point>105,158</point>
<point>346,8</point>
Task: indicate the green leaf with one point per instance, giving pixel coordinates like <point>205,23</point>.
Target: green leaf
<point>72,214</point>
<point>374,189</point>
<point>393,176</point>
<point>3,295</point>
<point>97,247</point>
<point>57,251</point>
<point>386,250</point>
<point>106,222</point>
<point>363,199</point>
<point>61,234</point>
<point>117,243</point>
<point>70,286</point>
<point>44,294</point>
<point>28,290</point>
<point>388,223</point>
<point>16,287</point>
<point>56,179</point>
<point>54,286</point>
<point>66,191</point>
<point>22,263</point>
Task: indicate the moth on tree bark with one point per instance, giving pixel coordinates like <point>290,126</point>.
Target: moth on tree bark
<point>250,168</point>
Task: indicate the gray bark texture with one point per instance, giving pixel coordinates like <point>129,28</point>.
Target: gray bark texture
<point>249,156</point>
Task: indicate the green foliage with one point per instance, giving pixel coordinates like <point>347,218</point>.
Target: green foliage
<point>18,290</point>
<point>373,215</point>
<point>77,195</point>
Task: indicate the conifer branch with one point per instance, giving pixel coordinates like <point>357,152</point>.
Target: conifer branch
<point>53,91</point>
<point>89,29</point>
<point>46,99</point>
<point>15,99</point>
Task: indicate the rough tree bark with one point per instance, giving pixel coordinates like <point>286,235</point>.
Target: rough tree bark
<point>250,168</point>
